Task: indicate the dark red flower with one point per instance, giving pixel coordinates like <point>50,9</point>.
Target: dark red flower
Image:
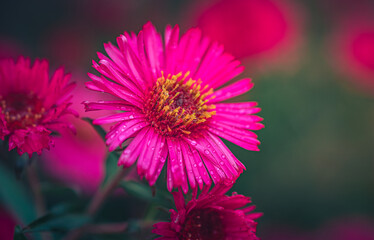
<point>213,215</point>
<point>32,104</point>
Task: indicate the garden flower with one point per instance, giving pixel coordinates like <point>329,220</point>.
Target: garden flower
<point>31,104</point>
<point>170,94</point>
<point>212,215</point>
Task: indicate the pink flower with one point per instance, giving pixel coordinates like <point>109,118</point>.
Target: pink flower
<point>78,160</point>
<point>212,215</point>
<point>251,28</point>
<point>172,107</point>
<point>31,104</point>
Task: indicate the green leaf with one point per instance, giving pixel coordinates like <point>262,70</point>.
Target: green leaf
<point>15,197</point>
<point>58,192</point>
<point>98,128</point>
<point>111,167</point>
<point>144,192</point>
<point>18,234</point>
<point>62,217</point>
<point>51,222</point>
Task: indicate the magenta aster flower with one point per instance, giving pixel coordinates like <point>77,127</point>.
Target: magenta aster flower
<point>172,108</point>
<point>212,215</point>
<point>31,104</point>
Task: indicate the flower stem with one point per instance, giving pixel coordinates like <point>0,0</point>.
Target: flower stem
<point>97,201</point>
<point>36,191</point>
<point>40,206</point>
<point>103,193</point>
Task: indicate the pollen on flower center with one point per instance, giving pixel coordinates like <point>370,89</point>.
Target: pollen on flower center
<point>21,110</point>
<point>177,106</point>
<point>202,224</point>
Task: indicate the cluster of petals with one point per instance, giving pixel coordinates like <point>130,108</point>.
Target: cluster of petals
<point>170,106</point>
<point>32,104</point>
<point>211,215</point>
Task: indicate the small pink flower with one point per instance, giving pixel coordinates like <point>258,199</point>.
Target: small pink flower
<point>212,215</point>
<point>31,104</point>
<point>170,94</point>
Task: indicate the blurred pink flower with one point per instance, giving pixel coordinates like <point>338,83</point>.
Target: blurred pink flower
<point>79,160</point>
<point>211,216</point>
<point>32,104</point>
<point>352,49</point>
<point>253,29</point>
<point>171,97</point>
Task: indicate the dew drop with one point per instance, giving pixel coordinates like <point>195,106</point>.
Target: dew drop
<point>193,143</point>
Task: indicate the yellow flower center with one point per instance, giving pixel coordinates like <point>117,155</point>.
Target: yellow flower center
<point>178,106</point>
<point>21,110</point>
